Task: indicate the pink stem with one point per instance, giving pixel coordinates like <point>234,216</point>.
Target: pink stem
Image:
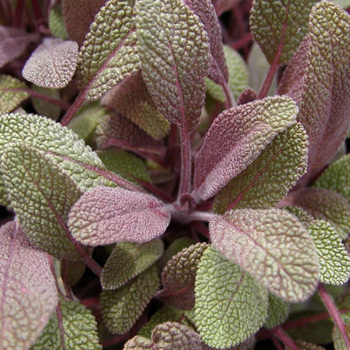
<point>74,108</point>
<point>334,312</point>
<point>285,338</point>
<point>186,162</point>
<point>49,99</point>
<point>229,99</point>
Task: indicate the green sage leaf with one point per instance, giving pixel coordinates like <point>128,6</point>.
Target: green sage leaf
<point>277,312</point>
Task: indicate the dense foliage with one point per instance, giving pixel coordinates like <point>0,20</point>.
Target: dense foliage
<point>174,174</point>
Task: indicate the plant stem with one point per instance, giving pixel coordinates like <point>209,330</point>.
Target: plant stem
<point>334,312</point>
<point>229,99</point>
<point>49,99</point>
<point>285,338</point>
<point>37,10</point>
<point>18,18</point>
<point>74,108</point>
<point>186,162</point>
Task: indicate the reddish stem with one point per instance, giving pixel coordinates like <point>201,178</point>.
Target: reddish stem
<point>285,338</point>
<point>49,99</point>
<point>334,312</point>
<point>18,17</point>
<point>229,99</point>
<point>276,343</point>
<point>243,41</point>
<point>37,10</point>
<point>186,162</point>
<point>74,108</point>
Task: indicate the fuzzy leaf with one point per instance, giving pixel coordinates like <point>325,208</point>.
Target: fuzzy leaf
<point>107,215</point>
<point>230,304</point>
<point>28,290</point>
<point>280,25</point>
<point>175,57</point>
<point>41,195</point>
<point>109,52</point>
<point>326,205</point>
<point>43,107</point>
<point>205,10</point>
<point>325,105</point>
<point>337,177</point>
<point>56,23</point>
<point>122,307</point>
<point>178,277</point>
<point>302,215</point>
<point>128,260</point>
<point>12,93</point>
<point>61,145</point>
<point>117,131</point>
<point>273,246</point>
<point>333,257</point>
<point>72,271</point>
<point>71,327</point>
<point>269,178</point>
<point>52,64</point>
<point>78,15</point>
<point>132,99</point>
<point>338,340</point>
<point>277,312</point>
<point>168,336</point>
<point>247,95</point>
<point>13,42</point>
<point>237,76</point>
<point>125,164</point>
<point>243,132</point>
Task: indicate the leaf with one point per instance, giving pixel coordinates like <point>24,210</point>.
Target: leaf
<point>107,215</point>
<point>325,105</point>
<point>338,340</point>
<point>277,312</point>
<point>230,304</point>
<point>109,53</point>
<point>125,164</point>
<point>336,177</point>
<point>122,307</point>
<point>205,11</point>
<point>12,93</point>
<point>178,277</point>
<point>128,260</point>
<point>132,99</point>
<point>333,258</point>
<point>165,314</point>
<point>72,271</point>
<point>224,5</point>
<point>243,132</point>
<point>268,179</point>
<point>237,76</point>
<point>117,131</point>
<point>28,290</point>
<point>343,3</point>
<point>247,95</point>
<point>168,336</point>
<point>175,57</point>
<point>78,15</point>
<point>326,205</point>
<point>52,64</point>
<point>71,327</point>
<point>61,145</point>
<point>44,107</point>
<point>273,246</point>
<point>302,345</point>
<point>302,215</point>
<point>280,25</point>
<point>56,23</point>
<point>41,195</point>
<point>13,42</point>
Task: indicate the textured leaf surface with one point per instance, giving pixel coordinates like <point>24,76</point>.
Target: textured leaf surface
<point>302,345</point>
<point>325,106</point>
<point>115,130</point>
<point>109,52</point>
<point>48,136</point>
<point>243,132</point>
<point>125,164</point>
<point>52,64</point>
<point>78,15</point>
<point>325,205</point>
<point>27,289</point>
<point>281,25</point>
<point>41,195</point>
<point>247,95</point>
<point>205,10</point>
<point>269,178</point>
<point>178,277</point>
<point>107,215</point>
<point>13,42</point>
<point>128,260</point>
<point>237,76</point>
<point>168,336</point>
<point>174,248</point>
<point>122,307</point>
<point>72,326</point>
<point>277,312</point>
<point>175,57</point>
<point>11,93</point>
<point>339,342</point>
<point>333,257</point>
<point>230,304</point>
<point>43,107</point>
<point>337,177</point>
<point>56,23</point>
<point>273,246</point>
<point>132,99</point>
<point>305,218</point>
